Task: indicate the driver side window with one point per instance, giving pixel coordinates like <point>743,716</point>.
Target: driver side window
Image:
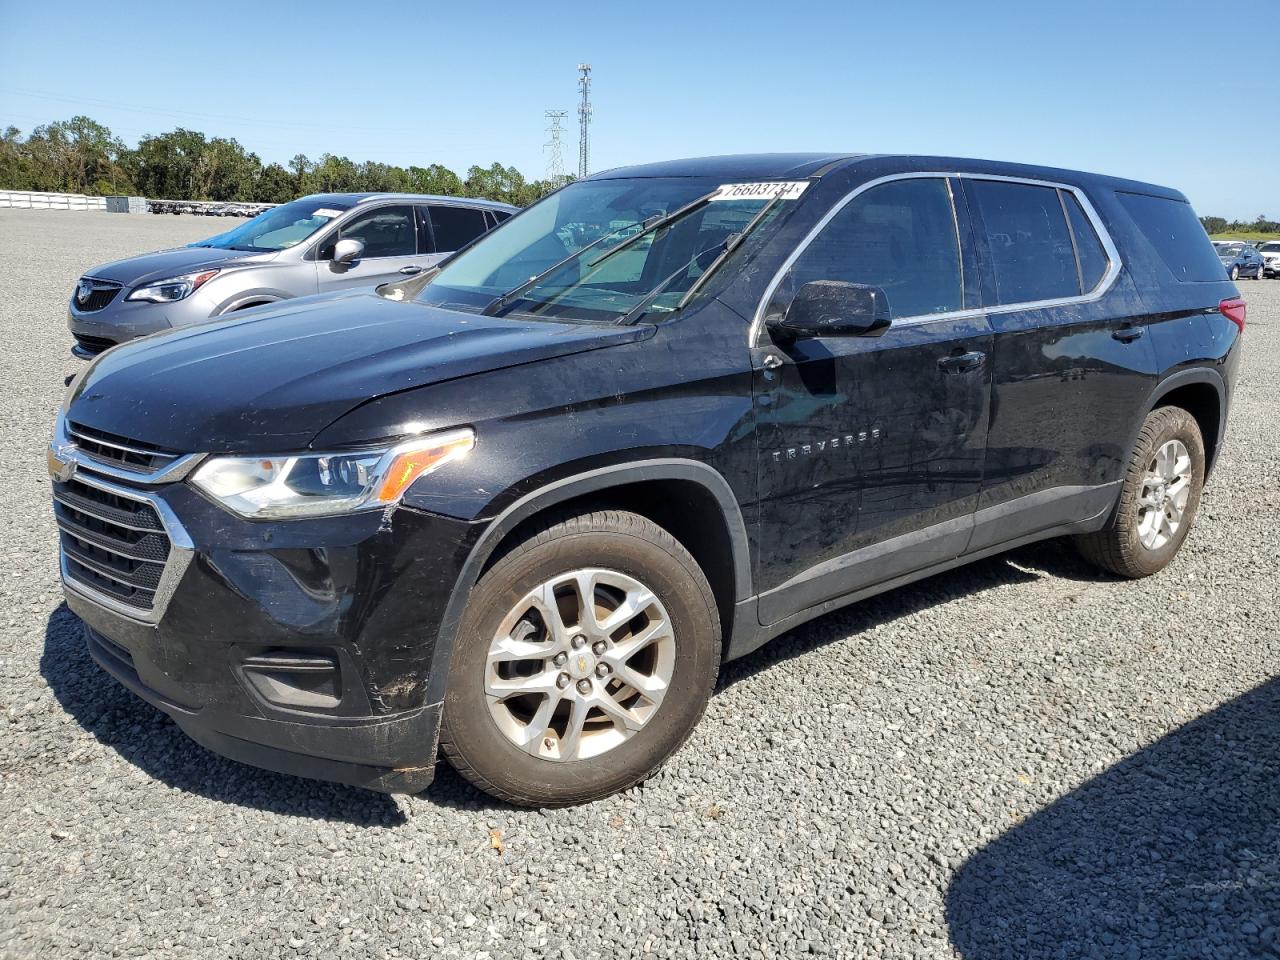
<point>385,232</point>
<point>900,236</point>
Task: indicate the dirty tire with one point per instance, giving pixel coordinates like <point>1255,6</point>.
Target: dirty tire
<point>614,540</point>
<point>1118,547</point>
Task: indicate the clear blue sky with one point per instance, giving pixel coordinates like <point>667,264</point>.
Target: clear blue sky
<point>1138,89</point>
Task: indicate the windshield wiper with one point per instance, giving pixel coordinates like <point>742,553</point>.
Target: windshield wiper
<point>647,227</point>
<point>726,248</point>
<point>498,302</point>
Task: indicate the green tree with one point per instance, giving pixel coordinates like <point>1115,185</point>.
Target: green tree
<point>274,185</point>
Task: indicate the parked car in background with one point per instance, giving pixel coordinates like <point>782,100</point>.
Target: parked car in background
<point>317,244</point>
<point>1271,257</point>
<point>526,507</point>
<point>1240,259</point>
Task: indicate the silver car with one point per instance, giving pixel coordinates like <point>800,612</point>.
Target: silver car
<point>317,244</point>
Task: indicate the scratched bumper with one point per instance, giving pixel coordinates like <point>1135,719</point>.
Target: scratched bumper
<point>351,605</point>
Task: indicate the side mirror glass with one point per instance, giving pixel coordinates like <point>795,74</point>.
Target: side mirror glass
<point>833,308</point>
<point>348,250</point>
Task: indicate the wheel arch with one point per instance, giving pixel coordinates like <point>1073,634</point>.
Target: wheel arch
<point>1202,392</point>
<point>667,490</point>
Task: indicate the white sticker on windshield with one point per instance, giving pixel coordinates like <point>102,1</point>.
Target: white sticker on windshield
<point>768,190</point>
<point>326,213</point>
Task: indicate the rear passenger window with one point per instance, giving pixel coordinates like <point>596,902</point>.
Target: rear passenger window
<point>901,237</point>
<point>1172,228</point>
<point>1031,253</point>
<point>455,227</point>
<point>1093,258</point>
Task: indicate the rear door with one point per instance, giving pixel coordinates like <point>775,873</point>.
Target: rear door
<point>452,227</point>
<point>871,448</point>
<point>1073,361</point>
<point>390,237</point>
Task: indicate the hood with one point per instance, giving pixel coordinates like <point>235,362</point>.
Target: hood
<point>164,264</point>
<point>269,380</point>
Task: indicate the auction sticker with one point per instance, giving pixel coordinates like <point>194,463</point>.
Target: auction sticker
<point>767,190</point>
<point>326,213</point>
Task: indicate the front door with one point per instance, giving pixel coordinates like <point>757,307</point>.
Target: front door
<point>872,447</point>
<point>390,238</point>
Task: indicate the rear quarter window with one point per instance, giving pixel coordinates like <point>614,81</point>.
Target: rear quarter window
<point>1172,228</point>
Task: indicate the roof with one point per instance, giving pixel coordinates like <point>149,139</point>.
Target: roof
<point>355,198</point>
<point>779,166</point>
<point>745,166</point>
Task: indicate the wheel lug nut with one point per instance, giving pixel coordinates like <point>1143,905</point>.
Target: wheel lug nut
<point>598,647</point>
<point>602,670</point>
<point>560,659</point>
<point>584,686</point>
<point>562,681</point>
<point>579,641</point>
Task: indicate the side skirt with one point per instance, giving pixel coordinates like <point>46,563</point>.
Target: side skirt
<point>749,635</point>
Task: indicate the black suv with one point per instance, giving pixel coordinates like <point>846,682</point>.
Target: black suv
<point>520,508</point>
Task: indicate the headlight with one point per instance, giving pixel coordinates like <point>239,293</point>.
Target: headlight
<point>322,484</point>
<point>177,288</point>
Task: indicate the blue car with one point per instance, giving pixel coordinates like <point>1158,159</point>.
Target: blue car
<point>1240,259</point>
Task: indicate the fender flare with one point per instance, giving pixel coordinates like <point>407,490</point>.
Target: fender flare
<point>568,488</point>
<point>1183,378</point>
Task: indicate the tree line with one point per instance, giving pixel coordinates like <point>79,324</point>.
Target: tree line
<point>81,155</point>
<point>1216,225</point>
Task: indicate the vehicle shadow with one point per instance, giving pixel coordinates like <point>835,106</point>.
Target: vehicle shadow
<point>144,736</point>
<point>1173,852</point>
<point>1053,558</point>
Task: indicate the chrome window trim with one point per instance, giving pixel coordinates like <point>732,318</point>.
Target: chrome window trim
<point>1114,264</point>
<point>181,551</point>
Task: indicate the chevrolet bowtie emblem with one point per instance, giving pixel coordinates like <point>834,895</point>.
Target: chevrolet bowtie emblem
<point>61,466</point>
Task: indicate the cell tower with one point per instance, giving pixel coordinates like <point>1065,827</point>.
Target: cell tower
<point>584,119</point>
<point>555,154</point>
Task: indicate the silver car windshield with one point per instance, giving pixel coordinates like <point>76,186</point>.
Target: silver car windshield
<point>280,227</point>
<point>604,249</point>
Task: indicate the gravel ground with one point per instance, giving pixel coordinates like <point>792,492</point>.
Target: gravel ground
<point>1018,759</point>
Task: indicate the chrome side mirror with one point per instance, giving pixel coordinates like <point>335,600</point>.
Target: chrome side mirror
<point>348,250</point>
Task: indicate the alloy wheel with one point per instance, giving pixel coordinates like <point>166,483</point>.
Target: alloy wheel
<point>1166,489</point>
<point>580,664</point>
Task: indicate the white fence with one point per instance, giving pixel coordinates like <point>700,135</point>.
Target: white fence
<point>32,200</point>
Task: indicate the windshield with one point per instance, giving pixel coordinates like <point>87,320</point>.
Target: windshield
<point>280,227</point>
<point>577,254</point>
<point>1230,249</point>
<point>1271,246</point>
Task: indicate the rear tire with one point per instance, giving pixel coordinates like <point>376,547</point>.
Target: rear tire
<point>1235,273</point>
<point>1158,499</point>
<point>549,701</point>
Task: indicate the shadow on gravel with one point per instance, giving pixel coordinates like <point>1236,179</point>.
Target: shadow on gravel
<point>148,739</point>
<point>1053,558</point>
<point>1173,852</point>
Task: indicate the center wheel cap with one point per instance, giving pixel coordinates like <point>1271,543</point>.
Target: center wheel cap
<point>581,664</point>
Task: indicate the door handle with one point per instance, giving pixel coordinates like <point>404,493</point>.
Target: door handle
<point>962,363</point>
<point>1127,334</point>
<point>410,270</point>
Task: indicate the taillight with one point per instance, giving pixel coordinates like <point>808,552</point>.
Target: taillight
<point>1233,309</point>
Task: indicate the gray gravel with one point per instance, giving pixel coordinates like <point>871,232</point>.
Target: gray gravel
<point>1018,759</point>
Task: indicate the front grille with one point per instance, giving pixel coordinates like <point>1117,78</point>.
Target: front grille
<point>94,294</point>
<point>117,451</point>
<point>94,344</point>
<point>112,544</point>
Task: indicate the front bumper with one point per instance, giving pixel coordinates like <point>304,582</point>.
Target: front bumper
<point>303,646</point>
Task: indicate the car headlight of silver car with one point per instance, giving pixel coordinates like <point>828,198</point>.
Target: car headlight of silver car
<point>325,484</point>
<point>173,289</point>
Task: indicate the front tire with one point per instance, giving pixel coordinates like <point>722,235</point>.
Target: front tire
<point>1158,500</point>
<point>1235,273</point>
<point>585,657</point>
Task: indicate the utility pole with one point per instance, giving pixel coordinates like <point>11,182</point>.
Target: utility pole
<point>584,119</point>
<point>555,155</point>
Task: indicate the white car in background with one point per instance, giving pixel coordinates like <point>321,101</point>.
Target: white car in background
<point>1271,256</point>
